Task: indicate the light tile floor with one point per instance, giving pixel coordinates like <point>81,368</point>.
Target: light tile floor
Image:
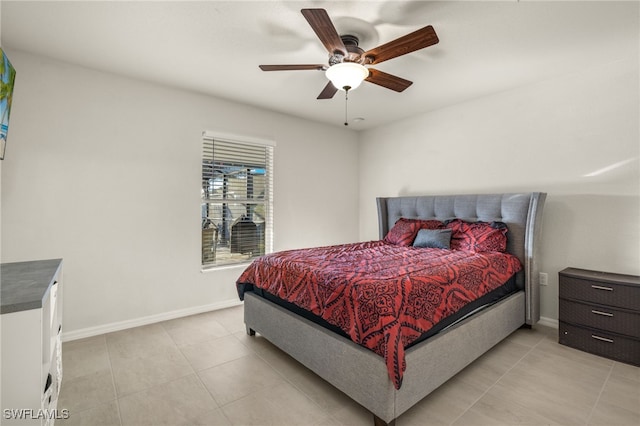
<point>205,370</point>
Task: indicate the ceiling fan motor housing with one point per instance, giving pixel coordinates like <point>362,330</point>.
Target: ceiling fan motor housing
<point>354,52</point>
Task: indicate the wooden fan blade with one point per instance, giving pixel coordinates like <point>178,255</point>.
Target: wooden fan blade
<point>328,91</point>
<point>387,80</point>
<point>317,67</point>
<point>324,29</point>
<point>416,40</point>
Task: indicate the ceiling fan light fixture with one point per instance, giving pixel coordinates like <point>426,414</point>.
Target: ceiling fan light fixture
<point>347,75</point>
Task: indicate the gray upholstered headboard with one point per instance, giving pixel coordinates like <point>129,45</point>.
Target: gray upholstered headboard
<point>521,212</point>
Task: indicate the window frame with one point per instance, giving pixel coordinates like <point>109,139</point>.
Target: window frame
<point>269,145</point>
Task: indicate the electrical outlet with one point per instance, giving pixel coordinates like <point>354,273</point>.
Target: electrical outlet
<point>543,278</point>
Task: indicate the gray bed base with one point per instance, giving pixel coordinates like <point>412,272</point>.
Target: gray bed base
<point>360,373</point>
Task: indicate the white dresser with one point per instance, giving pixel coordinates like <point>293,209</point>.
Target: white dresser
<point>31,310</point>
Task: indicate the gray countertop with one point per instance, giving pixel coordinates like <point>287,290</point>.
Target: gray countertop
<point>24,285</point>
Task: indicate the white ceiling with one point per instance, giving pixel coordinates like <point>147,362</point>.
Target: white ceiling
<point>215,47</point>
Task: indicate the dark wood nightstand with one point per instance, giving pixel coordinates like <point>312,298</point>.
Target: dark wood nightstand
<point>600,313</point>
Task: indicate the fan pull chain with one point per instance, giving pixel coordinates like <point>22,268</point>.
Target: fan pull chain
<point>346,102</point>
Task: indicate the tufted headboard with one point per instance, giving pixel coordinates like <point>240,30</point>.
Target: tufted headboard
<point>522,212</point>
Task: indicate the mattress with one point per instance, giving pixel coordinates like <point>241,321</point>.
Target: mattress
<point>471,308</point>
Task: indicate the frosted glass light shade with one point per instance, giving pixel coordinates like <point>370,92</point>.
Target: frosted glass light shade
<point>347,75</point>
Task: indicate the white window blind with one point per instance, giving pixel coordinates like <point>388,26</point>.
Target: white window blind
<point>237,188</point>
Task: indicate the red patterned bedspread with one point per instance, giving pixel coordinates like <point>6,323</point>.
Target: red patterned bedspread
<point>383,296</point>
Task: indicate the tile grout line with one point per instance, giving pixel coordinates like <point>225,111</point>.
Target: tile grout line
<point>286,380</point>
<point>496,382</point>
<point>195,372</point>
<point>604,385</point>
<point>118,396</point>
<point>113,380</point>
<point>136,391</point>
<point>115,399</point>
<point>284,377</point>
<point>179,348</point>
<point>218,405</point>
<point>280,374</point>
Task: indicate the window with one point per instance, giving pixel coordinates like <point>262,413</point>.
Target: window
<point>237,187</point>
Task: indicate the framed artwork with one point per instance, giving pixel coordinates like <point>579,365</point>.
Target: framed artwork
<point>6,95</point>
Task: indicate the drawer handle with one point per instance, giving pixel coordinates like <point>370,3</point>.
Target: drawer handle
<point>604,314</point>
<point>599,287</point>
<point>603,339</point>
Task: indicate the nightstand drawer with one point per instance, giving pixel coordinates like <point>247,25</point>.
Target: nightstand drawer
<point>602,293</point>
<point>600,343</point>
<point>600,317</point>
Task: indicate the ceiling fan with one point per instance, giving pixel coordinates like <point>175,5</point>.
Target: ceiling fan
<point>346,69</point>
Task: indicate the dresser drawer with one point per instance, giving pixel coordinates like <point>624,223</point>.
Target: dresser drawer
<point>600,343</point>
<point>600,317</point>
<point>602,293</point>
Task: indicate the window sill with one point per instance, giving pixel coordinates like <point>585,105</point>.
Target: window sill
<point>208,269</point>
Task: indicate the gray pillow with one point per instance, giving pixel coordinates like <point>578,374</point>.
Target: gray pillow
<point>434,238</point>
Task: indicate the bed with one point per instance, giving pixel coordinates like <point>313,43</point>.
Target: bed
<point>365,375</point>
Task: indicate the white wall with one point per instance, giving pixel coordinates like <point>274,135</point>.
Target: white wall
<point>104,172</point>
<point>546,137</point>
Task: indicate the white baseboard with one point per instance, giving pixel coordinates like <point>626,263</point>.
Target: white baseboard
<point>548,322</point>
<point>137,322</point>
